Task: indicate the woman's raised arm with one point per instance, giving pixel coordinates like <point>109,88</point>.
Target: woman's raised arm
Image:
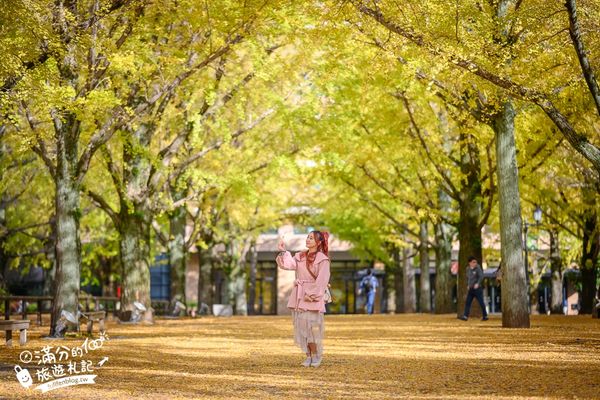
<point>285,261</point>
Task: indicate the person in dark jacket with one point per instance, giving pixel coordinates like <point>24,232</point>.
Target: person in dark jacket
<point>474,281</point>
<point>368,286</point>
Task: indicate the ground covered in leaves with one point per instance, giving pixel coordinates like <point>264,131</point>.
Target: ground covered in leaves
<point>367,357</point>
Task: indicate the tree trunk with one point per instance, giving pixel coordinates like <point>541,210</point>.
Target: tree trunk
<point>49,280</point>
<point>398,281</point>
<point>590,250</point>
<point>135,222</point>
<point>237,277</point>
<point>385,291</point>
<point>3,268</point>
<point>252,281</point>
<point>177,252</point>
<point>68,245</point>
<point>469,233</point>
<point>443,262</point>
<point>589,264</point>
<point>203,274</point>
<point>3,227</point>
<point>425,287</point>
<point>389,290</point>
<point>443,259</point>
<point>534,283</point>
<point>515,307</point>
<point>4,199</point>
<point>108,284</point>
<point>556,268</point>
<point>135,260</point>
<point>235,269</point>
<point>237,290</point>
<point>409,290</point>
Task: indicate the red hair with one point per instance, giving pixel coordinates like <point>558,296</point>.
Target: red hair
<point>322,239</point>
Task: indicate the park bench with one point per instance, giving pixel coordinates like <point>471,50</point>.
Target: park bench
<point>99,303</point>
<point>92,303</point>
<point>12,325</point>
<point>94,316</point>
<point>37,299</point>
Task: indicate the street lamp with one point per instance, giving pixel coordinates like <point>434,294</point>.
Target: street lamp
<point>537,217</point>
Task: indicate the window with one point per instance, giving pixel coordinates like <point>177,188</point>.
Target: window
<point>160,278</point>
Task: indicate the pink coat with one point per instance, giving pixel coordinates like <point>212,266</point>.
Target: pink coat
<point>305,284</point>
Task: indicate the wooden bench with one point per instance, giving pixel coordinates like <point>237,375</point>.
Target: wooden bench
<point>94,316</point>
<point>26,299</point>
<point>12,325</point>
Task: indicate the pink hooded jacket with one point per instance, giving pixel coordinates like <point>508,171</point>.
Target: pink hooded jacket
<point>305,284</point>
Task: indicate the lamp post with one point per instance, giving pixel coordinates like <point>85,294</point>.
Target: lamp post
<point>537,217</point>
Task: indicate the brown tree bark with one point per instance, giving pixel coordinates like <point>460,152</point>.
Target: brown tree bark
<point>515,307</point>
<point>582,54</point>
<point>469,231</point>
<point>252,278</point>
<point>556,270</point>
<point>443,277</point>
<point>424,283</point>
<point>409,289</point>
<point>68,245</point>
<point>177,249</point>
<point>590,260</point>
<point>398,281</point>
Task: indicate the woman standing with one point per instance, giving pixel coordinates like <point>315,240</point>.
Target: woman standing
<point>306,300</point>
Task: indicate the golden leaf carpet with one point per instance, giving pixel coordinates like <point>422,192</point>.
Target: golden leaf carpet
<point>366,357</point>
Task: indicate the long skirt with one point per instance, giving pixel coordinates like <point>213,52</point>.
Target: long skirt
<point>309,327</point>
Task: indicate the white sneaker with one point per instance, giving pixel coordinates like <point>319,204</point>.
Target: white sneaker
<point>307,362</point>
<point>316,362</point>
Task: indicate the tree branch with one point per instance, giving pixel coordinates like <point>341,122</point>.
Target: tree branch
<point>165,94</point>
<point>164,240</point>
<point>41,149</point>
<point>96,15</point>
<point>97,140</point>
<point>425,187</point>
<point>114,173</point>
<point>22,229</point>
<point>171,150</point>
<point>586,68</point>
<point>12,81</point>
<point>24,186</point>
<point>102,204</point>
<point>385,213</point>
<point>215,146</point>
<point>554,220</point>
<point>491,189</point>
<point>453,191</point>
<point>577,140</point>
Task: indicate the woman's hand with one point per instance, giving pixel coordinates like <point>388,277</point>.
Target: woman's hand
<point>311,297</point>
<point>281,245</point>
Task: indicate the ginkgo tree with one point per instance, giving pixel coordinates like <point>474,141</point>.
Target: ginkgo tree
<point>152,172</point>
<point>183,112</point>
<point>493,28</point>
<point>59,103</point>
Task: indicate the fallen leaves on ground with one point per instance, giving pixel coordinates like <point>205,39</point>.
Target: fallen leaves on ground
<point>366,357</point>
